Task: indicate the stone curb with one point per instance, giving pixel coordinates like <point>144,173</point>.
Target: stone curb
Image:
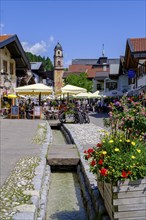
<point>91,196</point>
<point>37,210</point>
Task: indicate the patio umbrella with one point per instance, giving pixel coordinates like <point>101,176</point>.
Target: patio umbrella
<point>34,89</point>
<point>95,95</point>
<point>11,96</point>
<point>83,95</point>
<point>70,89</point>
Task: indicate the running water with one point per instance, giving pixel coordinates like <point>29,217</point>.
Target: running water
<point>64,197</point>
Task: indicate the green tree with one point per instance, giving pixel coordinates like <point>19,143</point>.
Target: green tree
<point>79,80</point>
<point>46,61</point>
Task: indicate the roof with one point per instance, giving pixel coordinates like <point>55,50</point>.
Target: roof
<point>5,37</point>
<point>78,68</point>
<point>58,47</point>
<point>16,50</point>
<point>85,61</point>
<point>134,52</point>
<point>35,65</point>
<point>89,69</point>
<point>113,61</point>
<point>137,44</point>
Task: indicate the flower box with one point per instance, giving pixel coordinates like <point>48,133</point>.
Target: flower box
<point>126,201</point>
<point>100,185</point>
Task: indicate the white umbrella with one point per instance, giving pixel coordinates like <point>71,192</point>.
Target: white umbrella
<point>70,89</point>
<point>83,95</point>
<point>34,89</point>
<point>95,94</point>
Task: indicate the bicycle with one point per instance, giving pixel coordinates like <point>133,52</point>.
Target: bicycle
<point>85,116</point>
<point>71,115</point>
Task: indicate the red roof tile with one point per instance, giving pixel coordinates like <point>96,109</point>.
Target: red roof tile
<point>139,44</point>
<point>5,37</point>
<point>78,68</point>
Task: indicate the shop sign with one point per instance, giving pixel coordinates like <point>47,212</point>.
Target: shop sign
<point>131,74</point>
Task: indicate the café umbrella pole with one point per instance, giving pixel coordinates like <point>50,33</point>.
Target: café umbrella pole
<point>40,99</point>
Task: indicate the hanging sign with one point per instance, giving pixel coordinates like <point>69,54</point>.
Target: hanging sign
<point>131,74</point>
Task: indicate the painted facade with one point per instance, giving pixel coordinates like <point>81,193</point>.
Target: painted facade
<point>8,72</point>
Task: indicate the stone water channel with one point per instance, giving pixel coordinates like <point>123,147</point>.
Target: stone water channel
<point>64,198</point>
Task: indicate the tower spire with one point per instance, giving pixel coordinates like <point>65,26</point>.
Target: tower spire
<point>103,50</point>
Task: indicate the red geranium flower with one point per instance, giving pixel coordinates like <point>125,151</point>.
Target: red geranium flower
<point>125,174</point>
<point>88,156</point>
<point>93,163</point>
<point>90,150</point>
<point>99,145</point>
<point>100,162</point>
<point>104,172</point>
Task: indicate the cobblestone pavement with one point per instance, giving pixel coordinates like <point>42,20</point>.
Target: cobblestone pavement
<point>89,135</point>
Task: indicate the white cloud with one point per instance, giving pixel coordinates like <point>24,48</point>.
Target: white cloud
<point>51,39</point>
<point>38,48</point>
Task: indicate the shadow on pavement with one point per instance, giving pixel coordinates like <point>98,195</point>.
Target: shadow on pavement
<point>99,115</point>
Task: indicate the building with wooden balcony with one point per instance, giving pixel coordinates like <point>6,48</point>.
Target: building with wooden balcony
<point>13,63</point>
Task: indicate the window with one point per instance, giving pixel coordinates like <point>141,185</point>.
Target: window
<point>59,63</point>
<point>5,66</point>
<point>98,86</point>
<point>111,85</point>
<point>104,67</point>
<point>11,68</point>
<point>58,52</point>
<point>131,81</point>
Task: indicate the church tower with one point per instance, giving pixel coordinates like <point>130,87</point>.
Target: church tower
<point>58,67</point>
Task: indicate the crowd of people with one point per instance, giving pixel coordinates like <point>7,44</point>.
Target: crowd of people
<point>99,105</point>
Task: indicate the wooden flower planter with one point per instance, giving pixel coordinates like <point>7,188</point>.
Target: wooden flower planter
<point>126,201</point>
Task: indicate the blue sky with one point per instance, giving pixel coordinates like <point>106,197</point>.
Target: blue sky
<point>81,27</point>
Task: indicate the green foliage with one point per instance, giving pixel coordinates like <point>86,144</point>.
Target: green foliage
<point>128,116</point>
<point>117,158</point>
<point>122,152</point>
<point>79,80</point>
<point>46,61</point>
